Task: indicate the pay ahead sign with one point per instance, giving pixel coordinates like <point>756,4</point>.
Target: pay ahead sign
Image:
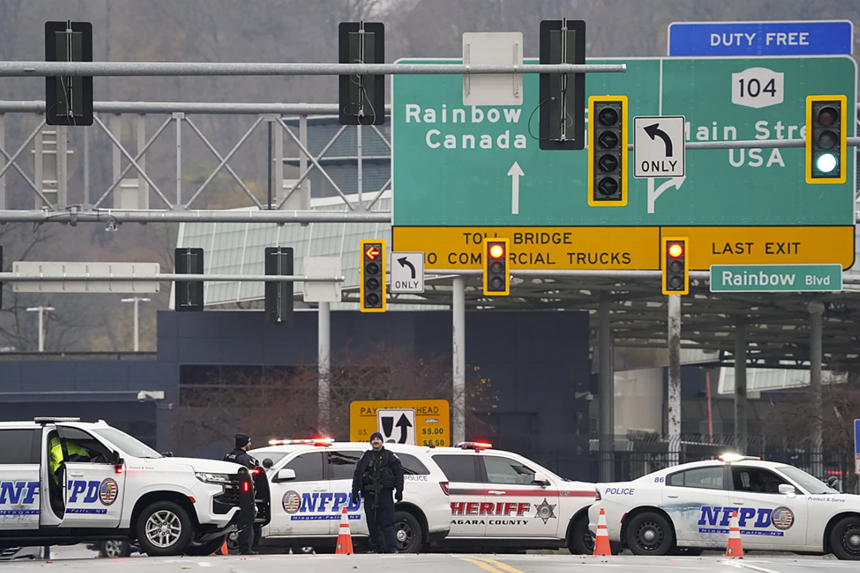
<point>658,146</point>
<point>429,419</point>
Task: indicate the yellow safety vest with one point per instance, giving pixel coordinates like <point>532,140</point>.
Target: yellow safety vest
<point>57,455</point>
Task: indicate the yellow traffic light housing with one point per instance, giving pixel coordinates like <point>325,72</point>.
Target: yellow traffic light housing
<point>372,289</point>
<point>607,151</point>
<point>497,279</point>
<point>673,261</point>
<point>826,132</point>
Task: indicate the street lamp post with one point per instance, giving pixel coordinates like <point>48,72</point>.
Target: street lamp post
<point>41,310</point>
<point>136,300</point>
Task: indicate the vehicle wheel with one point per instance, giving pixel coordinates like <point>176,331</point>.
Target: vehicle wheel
<point>410,538</point>
<point>205,548</point>
<point>845,539</point>
<point>164,528</point>
<point>581,540</point>
<point>114,548</point>
<point>649,534</point>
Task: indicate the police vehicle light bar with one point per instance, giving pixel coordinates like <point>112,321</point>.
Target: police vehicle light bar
<point>474,445</point>
<point>310,442</point>
<point>731,457</point>
<point>50,420</point>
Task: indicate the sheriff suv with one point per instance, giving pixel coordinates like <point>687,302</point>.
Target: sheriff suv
<point>122,489</point>
<point>310,483</point>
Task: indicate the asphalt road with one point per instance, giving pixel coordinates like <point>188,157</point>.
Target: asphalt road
<point>436,563</point>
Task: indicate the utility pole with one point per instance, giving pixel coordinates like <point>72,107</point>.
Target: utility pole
<point>41,310</point>
<point>136,300</point>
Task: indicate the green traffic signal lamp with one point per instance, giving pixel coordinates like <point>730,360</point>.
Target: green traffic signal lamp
<point>826,134</point>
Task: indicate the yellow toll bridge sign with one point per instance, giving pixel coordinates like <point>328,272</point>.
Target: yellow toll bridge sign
<point>420,422</point>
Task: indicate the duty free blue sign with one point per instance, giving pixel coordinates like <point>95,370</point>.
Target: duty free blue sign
<point>801,38</point>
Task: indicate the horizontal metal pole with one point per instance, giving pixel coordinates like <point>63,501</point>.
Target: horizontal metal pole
<point>37,106</point>
<point>608,274</point>
<point>203,216</point>
<point>754,144</point>
<point>162,277</point>
<point>27,69</point>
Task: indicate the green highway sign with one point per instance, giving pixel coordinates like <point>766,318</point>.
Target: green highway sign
<point>464,167</point>
<point>776,278</point>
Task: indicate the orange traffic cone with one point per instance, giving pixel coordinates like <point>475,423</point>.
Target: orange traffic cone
<point>601,541</point>
<point>344,539</point>
<point>734,547</point>
<point>222,550</point>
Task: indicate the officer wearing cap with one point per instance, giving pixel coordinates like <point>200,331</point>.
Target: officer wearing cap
<point>240,455</point>
<point>378,475</point>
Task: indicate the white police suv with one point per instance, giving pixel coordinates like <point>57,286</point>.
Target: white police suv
<point>310,483</point>
<point>469,496</point>
<point>122,489</point>
<point>687,508</point>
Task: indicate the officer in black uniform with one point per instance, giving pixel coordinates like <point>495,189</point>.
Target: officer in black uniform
<point>378,474</point>
<point>240,455</point>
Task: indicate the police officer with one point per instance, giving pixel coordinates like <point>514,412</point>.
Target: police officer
<point>241,456</point>
<point>75,453</point>
<point>378,474</point>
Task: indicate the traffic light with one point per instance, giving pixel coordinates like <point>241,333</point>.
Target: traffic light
<point>607,151</point>
<point>279,295</point>
<point>826,130</point>
<point>562,96</point>
<point>676,275</point>
<point>372,289</point>
<point>361,97</point>
<point>497,280</point>
<point>188,294</point>
<point>69,99</point>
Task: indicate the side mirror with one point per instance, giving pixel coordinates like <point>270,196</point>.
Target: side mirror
<point>540,479</point>
<point>285,474</point>
<point>787,489</point>
<point>268,463</point>
<point>167,454</point>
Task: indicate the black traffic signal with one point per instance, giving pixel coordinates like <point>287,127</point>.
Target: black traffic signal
<point>188,294</point>
<point>607,151</point>
<point>826,131</point>
<point>497,280</point>
<point>279,295</point>
<point>372,288</point>
<point>69,99</point>
<point>361,97</point>
<point>562,96</point>
<point>676,274</point>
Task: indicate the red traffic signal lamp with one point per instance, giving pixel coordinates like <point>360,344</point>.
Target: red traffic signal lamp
<point>372,290</point>
<point>676,274</point>
<point>826,131</point>
<point>497,279</point>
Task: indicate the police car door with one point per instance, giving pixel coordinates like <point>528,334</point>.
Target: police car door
<point>696,501</point>
<point>302,505</point>
<point>95,488</point>
<point>341,469</point>
<point>768,519</point>
<point>520,507</point>
<point>19,478</point>
<point>469,504</point>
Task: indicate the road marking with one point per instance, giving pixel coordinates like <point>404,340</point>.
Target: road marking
<point>753,567</point>
<point>501,565</point>
<point>481,564</point>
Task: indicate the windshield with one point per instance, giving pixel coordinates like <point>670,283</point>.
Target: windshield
<point>806,481</point>
<point>130,446</point>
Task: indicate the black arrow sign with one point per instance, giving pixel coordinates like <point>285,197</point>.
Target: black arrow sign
<point>404,262</point>
<point>403,423</point>
<point>655,131</point>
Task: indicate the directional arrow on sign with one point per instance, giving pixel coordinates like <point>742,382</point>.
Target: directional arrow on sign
<point>515,172</point>
<point>403,423</point>
<point>404,262</point>
<point>654,131</point>
<point>653,193</point>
